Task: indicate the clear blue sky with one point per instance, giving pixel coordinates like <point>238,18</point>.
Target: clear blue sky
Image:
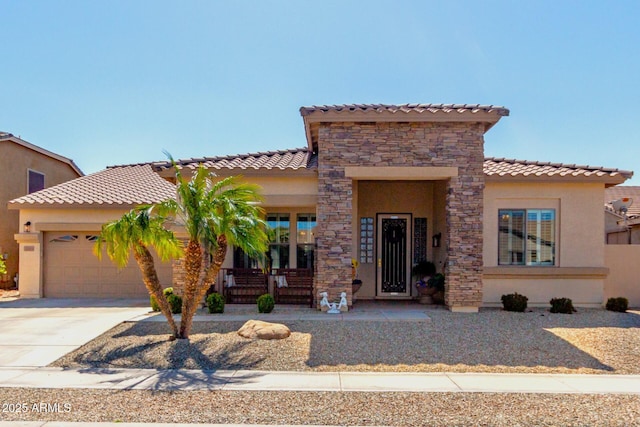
<point>113,82</point>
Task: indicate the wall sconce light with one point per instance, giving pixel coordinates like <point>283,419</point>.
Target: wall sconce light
<point>4,256</point>
<point>27,227</point>
<point>435,242</point>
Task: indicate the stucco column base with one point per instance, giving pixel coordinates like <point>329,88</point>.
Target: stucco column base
<point>30,267</point>
<point>463,309</point>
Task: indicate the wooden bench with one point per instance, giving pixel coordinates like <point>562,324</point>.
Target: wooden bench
<point>244,285</point>
<point>298,288</point>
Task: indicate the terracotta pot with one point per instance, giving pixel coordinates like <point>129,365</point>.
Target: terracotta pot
<point>355,287</point>
<point>426,291</point>
<point>438,297</point>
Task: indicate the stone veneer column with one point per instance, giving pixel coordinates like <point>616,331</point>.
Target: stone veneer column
<point>402,144</point>
<point>464,216</point>
<point>333,230</point>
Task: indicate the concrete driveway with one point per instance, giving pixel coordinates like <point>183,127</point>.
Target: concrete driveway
<point>35,332</point>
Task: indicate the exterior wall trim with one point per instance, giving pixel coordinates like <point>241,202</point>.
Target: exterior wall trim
<point>545,273</point>
<point>399,172</point>
<point>64,226</point>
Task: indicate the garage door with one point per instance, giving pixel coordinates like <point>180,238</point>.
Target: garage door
<point>71,270</point>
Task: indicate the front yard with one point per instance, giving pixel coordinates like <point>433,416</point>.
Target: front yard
<point>591,341</point>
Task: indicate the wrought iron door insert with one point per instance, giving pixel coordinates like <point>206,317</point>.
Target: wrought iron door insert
<point>394,255</point>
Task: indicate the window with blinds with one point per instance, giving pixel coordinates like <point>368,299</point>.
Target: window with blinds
<point>526,237</point>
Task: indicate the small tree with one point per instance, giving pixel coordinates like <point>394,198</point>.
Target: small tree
<point>214,215</point>
<point>3,268</point>
<point>136,232</point>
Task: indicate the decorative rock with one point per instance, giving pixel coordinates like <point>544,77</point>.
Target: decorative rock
<point>253,329</point>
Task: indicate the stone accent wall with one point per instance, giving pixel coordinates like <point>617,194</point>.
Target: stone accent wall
<point>402,144</point>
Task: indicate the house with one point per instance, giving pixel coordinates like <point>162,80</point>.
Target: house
<point>388,185</point>
<point>24,168</point>
<point>622,226</point>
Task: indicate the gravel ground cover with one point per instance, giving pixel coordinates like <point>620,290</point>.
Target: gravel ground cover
<point>277,408</point>
<point>588,342</point>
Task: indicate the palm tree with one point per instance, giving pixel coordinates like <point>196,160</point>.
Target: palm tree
<point>214,215</point>
<point>135,232</point>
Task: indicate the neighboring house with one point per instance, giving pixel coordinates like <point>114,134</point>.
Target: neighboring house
<point>389,186</point>
<point>622,228</point>
<point>24,168</point>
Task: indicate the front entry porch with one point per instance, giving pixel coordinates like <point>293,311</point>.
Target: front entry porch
<point>397,224</point>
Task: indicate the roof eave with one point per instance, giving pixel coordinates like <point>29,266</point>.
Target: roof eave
<point>186,172</point>
<point>45,152</point>
<point>311,115</point>
<point>607,180</point>
<point>41,205</point>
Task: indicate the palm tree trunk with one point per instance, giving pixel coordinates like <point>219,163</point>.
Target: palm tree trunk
<point>150,278</point>
<point>192,267</point>
<point>213,268</point>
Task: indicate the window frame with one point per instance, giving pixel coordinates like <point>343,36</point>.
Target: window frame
<point>527,242</point>
<point>33,171</point>
<point>277,244</point>
<point>306,249</point>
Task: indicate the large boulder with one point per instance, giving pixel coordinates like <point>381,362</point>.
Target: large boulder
<point>253,329</point>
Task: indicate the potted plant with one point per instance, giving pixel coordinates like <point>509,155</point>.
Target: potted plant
<point>436,283</point>
<point>423,271</point>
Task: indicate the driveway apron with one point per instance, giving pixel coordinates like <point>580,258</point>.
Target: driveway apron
<point>36,332</point>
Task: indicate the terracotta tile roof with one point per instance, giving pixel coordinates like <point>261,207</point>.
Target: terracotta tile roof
<point>406,108</point>
<point>620,191</point>
<point>522,168</point>
<point>118,186</point>
<point>300,158</point>
<point>294,159</point>
<point>139,184</point>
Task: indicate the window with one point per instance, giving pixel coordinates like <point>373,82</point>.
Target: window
<point>35,181</point>
<point>526,237</point>
<point>242,260</point>
<point>279,246</point>
<point>305,240</point>
<point>65,239</point>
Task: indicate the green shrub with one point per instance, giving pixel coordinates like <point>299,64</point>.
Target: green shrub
<point>154,303</point>
<point>175,302</point>
<point>265,303</point>
<point>514,302</point>
<point>562,305</point>
<point>436,282</point>
<point>215,302</point>
<point>619,304</point>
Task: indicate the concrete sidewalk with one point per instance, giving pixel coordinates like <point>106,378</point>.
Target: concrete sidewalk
<point>186,380</point>
<point>90,424</point>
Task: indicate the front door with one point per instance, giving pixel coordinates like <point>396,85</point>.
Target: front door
<point>394,255</point>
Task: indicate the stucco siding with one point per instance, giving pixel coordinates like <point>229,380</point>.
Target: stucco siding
<point>584,292</point>
<point>579,254</point>
<point>579,218</point>
<point>624,273</point>
<point>15,160</point>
